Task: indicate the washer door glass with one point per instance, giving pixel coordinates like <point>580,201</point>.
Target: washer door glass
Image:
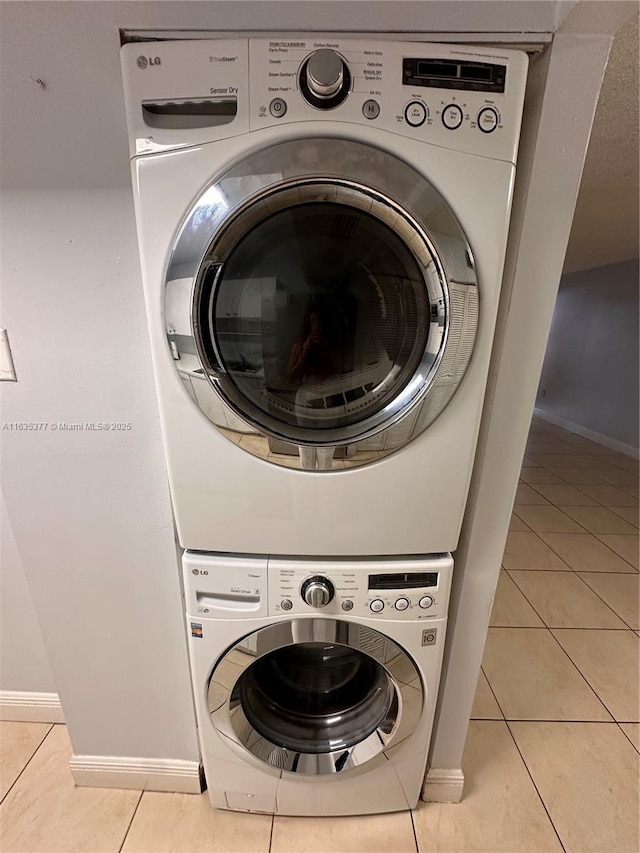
<point>319,320</point>
<point>315,697</point>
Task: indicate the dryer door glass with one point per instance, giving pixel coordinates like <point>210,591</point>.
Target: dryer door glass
<point>319,320</point>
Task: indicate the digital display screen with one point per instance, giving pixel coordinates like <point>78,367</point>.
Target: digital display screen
<point>437,69</point>
<point>403,580</point>
<point>454,74</point>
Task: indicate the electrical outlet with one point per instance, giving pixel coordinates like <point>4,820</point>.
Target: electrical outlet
<point>7,369</point>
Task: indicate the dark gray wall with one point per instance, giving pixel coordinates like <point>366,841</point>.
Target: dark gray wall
<point>590,373</point>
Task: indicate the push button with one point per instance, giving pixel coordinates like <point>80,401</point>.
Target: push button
<point>371,109</point>
<point>487,120</point>
<point>402,604</point>
<point>425,601</point>
<point>377,605</point>
<point>278,107</point>
<point>452,117</point>
<point>415,113</point>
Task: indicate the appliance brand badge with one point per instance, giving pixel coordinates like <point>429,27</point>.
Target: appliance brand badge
<point>144,61</point>
<point>196,629</point>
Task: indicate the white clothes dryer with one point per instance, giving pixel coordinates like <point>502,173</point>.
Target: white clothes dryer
<point>322,231</point>
<point>315,682</point>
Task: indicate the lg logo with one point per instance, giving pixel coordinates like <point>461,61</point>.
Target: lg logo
<point>144,61</point>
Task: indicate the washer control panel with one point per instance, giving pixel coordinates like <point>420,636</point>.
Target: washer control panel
<point>394,589</point>
<point>218,586</point>
<point>181,93</point>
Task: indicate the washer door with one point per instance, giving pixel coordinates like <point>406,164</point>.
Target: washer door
<point>331,316</point>
<point>315,696</point>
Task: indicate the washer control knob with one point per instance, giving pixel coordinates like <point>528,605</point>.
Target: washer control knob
<point>402,603</point>
<point>325,73</point>
<point>377,605</point>
<point>317,591</point>
<point>425,601</point>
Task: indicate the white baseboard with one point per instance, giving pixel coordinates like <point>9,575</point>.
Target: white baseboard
<point>443,786</point>
<point>25,707</point>
<point>142,774</point>
<point>604,440</point>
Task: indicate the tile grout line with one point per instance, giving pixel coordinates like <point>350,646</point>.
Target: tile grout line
<point>575,627</point>
<point>565,651</point>
<point>537,535</point>
<point>624,574</point>
<point>492,692</point>
<point>27,763</point>
<point>598,535</point>
<point>533,782</point>
<point>135,812</point>
<point>559,628</point>
<point>587,532</point>
<point>549,631</point>
<point>626,735</point>
<point>514,581</point>
<point>415,834</point>
<point>584,678</point>
<point>273,818</point>
<point>551,720</point>
<point>632,523</point>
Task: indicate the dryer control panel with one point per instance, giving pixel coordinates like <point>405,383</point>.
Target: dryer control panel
<point>458,97</point>
<point>243,587</point>
<point>183,93</point>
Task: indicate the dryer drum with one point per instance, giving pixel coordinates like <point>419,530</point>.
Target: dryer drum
<point>315,698</point>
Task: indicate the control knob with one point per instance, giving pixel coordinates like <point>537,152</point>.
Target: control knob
<point>317,591</point>
<point>325,79</point>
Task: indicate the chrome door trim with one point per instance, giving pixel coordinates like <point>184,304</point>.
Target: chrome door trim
<point>382,185</point>
<point>347,193</point>
<point>229,719</point>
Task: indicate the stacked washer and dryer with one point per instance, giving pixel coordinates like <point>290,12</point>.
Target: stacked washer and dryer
<point>322,229</point>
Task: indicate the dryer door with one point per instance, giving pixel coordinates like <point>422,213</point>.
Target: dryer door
<point>315,696</point>
<point>332,299</point>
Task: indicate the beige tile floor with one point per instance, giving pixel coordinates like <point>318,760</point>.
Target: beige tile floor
<point>551,761</point>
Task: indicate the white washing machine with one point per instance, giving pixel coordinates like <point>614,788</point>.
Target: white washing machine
<point>315,681</point>
<point>322,228</point>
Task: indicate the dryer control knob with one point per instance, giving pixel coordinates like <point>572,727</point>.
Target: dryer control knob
<point>317,591</point>
<point>325,73</point>
<point>325,79</point>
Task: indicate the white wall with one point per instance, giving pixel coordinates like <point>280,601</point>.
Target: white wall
<point>90,509</point>
<point>590,374</point>
<point>24,664</point>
